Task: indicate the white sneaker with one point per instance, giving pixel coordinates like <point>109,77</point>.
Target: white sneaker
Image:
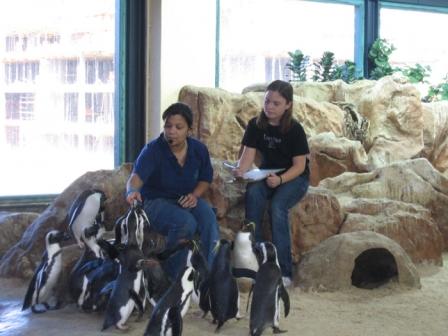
<point>287,282</point>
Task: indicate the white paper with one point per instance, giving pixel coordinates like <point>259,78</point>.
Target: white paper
<point>259,174</point>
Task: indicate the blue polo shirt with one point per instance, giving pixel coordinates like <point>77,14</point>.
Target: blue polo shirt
<point>162,175</point>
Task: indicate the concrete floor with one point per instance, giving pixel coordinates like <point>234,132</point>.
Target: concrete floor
<point>70,321</point>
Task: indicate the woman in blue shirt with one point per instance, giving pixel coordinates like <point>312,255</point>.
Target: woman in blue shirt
<point>170,175</point>
<point>282,143</point>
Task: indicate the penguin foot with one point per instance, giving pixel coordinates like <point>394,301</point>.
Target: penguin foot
<point>122,326</point>
<point>277,330</point>
<point>39,308</point>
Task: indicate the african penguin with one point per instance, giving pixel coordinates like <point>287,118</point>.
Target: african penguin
<point>86,218</point>
<point>45,278</point>
<point>132,226</point>
<point>166,317</point>
<point>267,292</point>
<point>224,293</point>
<point>244,260</point>
<point>124,296</point>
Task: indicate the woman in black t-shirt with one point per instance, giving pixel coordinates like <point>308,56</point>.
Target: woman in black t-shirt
<point>282,143</point>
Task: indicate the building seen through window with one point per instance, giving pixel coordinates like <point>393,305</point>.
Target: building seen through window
<point>56,92</point>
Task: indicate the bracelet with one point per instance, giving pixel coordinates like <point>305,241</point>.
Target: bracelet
<point>281,180</point>
<point>131,190</point>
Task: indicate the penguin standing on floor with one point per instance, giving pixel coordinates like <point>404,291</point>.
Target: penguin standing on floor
<point>86,219</point>
<point>166,317</point>
<point>224,293</point>
<point>267,292</point>
<point>244,260</point>
<point>46,276</point>
<point>124,295</point>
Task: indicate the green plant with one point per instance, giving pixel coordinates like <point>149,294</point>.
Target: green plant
<point>417,74</point>
<point>438,92</point>
<point>379,53</point>
<point>346,72</point>
<point>298,65</point>
<point>324,69</point>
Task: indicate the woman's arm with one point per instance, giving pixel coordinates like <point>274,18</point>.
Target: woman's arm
<point>297,168</point>
<point>245,162</point>
<point>133,186</point>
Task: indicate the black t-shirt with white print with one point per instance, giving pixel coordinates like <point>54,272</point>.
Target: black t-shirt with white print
<point>277,149</point>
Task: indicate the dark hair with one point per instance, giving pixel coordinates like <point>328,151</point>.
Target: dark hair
<point>181,109</point>
<point>286,91</point>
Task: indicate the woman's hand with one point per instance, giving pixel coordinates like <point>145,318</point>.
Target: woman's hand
<point>133,196</point>
<point>273,180</point>
<point>188,201</point>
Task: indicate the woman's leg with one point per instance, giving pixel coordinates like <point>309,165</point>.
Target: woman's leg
<point>256,197</point>
<point>207,228</point>
<point>285,197</point>
<point>174,222</point>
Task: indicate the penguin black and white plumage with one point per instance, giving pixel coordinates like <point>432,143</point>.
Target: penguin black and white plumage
<point>224,292</point>
<point>244,260</point>
<point>125,293</point>
<point>42,285</point>
<point>86,218</point>
<point>78,278</point>
<point>201,292</point>
<point>267,292</point>
<point>166,317</point>
<point>133,227</point>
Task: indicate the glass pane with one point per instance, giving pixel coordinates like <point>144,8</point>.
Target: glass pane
<point>419,37</point>
<point>56,92</point>
<point>256,36</point>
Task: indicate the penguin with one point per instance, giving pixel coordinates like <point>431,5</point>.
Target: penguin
<point>124,296</point>
<point>201,291</point>
<point>46,275</point>
<point>224,292</point>
<point>97,279</point>
<point>267,292</point>
<point>86,218</point>
<point>133,227</point>
<point>78,278</point>
<point>244,260</point>
<point>166,317</point>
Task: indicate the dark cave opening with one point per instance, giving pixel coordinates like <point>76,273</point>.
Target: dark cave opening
<point>374,268</point>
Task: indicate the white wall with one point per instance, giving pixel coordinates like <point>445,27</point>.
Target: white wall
<point>187,54</point>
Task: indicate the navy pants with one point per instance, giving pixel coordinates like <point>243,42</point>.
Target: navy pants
<point>174,222</point>
<point>282,198</point>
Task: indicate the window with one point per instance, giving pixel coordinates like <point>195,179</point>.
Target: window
<point>71,106</point>
<point>19,106</point>
<point>418,38</point>
<point>99,107</point>
<point>256,36</point>
<point>99,70</point>
<point>47,84</point>
<point>21,72</point>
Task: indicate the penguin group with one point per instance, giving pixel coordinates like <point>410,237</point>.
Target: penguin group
<point>123,275</point>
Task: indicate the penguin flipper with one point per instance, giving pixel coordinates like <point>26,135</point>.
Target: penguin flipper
<point>285,297</point>
<point>30,291</point>
<point>175,317</point>
<point>138,302</point>
<point>107,289</point>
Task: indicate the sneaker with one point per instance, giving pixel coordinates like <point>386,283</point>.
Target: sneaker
<point>287,282</point>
